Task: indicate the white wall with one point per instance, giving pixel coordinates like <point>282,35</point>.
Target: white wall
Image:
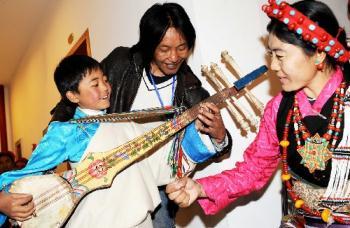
<point>236,26</point>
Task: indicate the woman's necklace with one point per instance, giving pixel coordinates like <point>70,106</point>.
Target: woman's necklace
<point>318,150</point>
<point>301,131</point>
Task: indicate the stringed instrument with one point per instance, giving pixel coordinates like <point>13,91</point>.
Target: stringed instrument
<point>59,194</point>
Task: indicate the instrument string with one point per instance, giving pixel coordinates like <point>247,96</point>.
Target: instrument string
<point>114,156</point>
<point>117,155</point>
<point>172,125</point>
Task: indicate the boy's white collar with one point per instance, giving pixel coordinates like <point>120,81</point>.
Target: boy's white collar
<point>91,112</point>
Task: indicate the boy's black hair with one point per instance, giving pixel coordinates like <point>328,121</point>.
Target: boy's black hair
<point>71,70</point>
<point>154,24</point>
<point>68,74</point>
<point>321,14</point>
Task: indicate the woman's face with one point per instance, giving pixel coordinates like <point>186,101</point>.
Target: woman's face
<point>293,67</point>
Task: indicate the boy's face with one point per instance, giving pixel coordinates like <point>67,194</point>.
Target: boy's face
<point>94,91</point>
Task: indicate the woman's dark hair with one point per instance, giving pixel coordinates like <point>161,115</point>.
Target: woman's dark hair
<point>154,24</point>
<point>324,17</point>
<point>68,74</point>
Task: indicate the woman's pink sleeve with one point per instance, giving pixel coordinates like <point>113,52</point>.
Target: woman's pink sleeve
<point>261,159</point>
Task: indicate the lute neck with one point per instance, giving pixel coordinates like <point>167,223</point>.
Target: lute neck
<point>219,98</point>
<point>108,164</point>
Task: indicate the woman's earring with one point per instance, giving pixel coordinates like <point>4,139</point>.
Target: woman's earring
<point>319,65</point>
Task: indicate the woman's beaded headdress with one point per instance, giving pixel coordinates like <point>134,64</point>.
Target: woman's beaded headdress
<point>307,29</point>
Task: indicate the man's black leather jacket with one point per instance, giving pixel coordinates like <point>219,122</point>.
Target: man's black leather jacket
<point>124,71</point>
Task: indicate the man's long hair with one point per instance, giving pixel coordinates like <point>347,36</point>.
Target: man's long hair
<point>154,24</point>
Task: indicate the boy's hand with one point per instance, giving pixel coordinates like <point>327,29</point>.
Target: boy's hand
<point>16,205</point>
<point>184,191</point>
<point>210,122</point>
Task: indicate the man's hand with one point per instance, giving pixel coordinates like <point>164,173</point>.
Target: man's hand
<point>210,122</point>
<point>184,191</point>
<point>16,205</point>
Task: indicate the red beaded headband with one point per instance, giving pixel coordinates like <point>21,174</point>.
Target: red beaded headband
<point>309,30</point>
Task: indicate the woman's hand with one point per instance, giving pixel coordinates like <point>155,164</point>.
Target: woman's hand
<point>16,205</point>
<point>210,122</point>
<point>184,191</point>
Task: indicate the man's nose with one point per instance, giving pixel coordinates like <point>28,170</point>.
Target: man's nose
<point>174,56</point>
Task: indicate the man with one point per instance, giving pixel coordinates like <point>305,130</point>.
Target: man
<point>154,73</point>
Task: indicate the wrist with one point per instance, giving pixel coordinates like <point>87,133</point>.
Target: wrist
<point>220,140</point>
<point>219,146</point>
<point>200,190</point>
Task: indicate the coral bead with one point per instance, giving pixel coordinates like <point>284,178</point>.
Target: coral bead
<point>300,20</point>
<point>324,37</point>
<point>286,177</point>
<point>291,26</point>
<point>321,47</point>
<point>283,5</point>
<point>325,215</point>
<point>298,203</point>
<point>342,59</point>
<point>267,9</point>
<point>327,137</point>
<point>307,36</point>
<point>280,14</point>
<point>284,143</point>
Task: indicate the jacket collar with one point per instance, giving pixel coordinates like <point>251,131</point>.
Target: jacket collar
<point>81,113</point>
<point>306,108</point>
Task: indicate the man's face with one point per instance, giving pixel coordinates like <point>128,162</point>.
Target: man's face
<point>170,53</point>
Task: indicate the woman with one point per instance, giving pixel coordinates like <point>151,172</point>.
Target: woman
<point>305,125</point>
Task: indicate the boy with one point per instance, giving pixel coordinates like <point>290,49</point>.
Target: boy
<point>133,195</point>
